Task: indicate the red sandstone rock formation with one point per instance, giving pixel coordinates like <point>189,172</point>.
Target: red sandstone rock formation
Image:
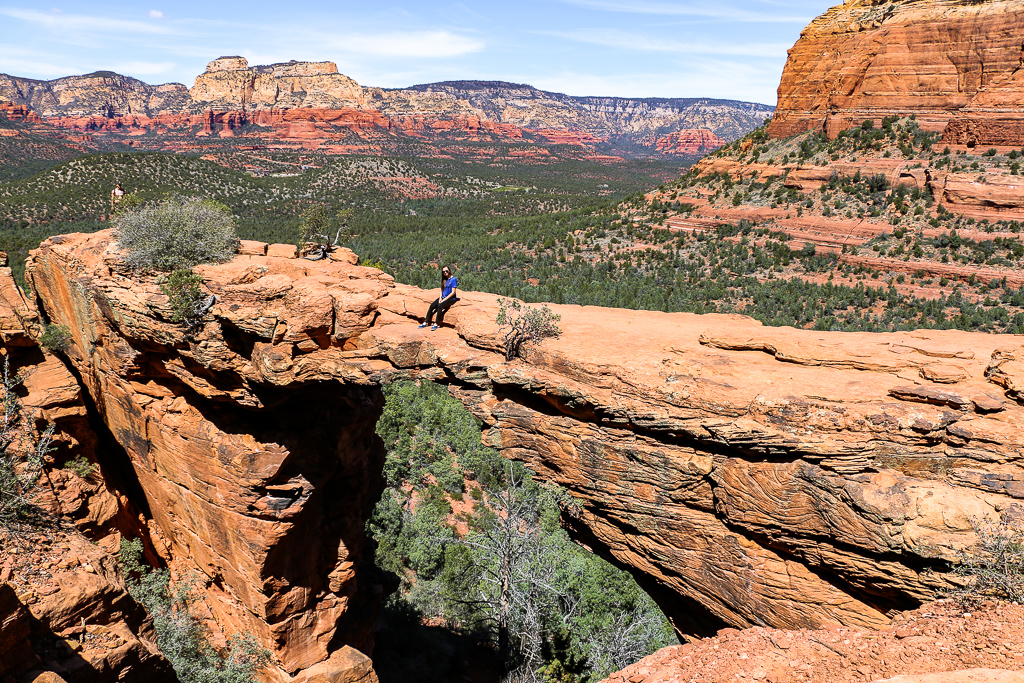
<point>64,609</point>
<point>688,142</point>
<point>947,61</point>
<point>60,585</point>
<point>262,485</point>
<point>17,112</point>
<point>935,644</point>
<point>746,475</point>
<point>53,396</point>
<point>993,197</point>
<point>568,137</point>
<point>231,93</point>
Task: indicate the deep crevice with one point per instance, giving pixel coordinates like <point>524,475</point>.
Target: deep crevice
<point>113,458</point>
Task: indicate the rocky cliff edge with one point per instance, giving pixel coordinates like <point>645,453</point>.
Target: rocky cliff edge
<point>746,475</point>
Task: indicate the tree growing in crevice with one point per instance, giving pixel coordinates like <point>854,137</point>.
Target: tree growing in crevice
<point>183,288</point>
<point>526,324</point>
<point>314,233</point>
<point>179,634</point>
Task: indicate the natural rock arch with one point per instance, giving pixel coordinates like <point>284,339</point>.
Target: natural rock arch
<point>746,475</point>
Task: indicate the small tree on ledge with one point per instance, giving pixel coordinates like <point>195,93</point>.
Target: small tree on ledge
<point>526,324</point>
<point>314,237</point>
<point>188,305</point>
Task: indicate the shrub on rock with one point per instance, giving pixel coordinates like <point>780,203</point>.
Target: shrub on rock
<point>184,289</point>
<point>178,232</point>
<point>525,325</point>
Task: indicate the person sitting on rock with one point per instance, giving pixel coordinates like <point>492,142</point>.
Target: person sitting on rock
<point>441,304</point>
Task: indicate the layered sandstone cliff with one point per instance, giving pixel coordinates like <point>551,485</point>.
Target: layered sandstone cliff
<point>529,107</point>
<point>261,486</point>
<point>952,62</point>
<point>103,93</point>
<point>746,475</point>
<point>63,603</point>
<point>229,83</point>
<point>231,93</point>
<point>688,142</point>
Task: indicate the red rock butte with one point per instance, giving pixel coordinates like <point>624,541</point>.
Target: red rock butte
<point>745,475</point>
<point>952,63</point>
<point>310,103</point>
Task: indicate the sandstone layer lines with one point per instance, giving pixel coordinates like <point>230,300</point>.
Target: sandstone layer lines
<point>746,475</point>
<point>953,63</point>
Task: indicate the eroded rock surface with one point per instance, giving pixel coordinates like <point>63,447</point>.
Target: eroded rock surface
<point>952,62</point>
<point>262,485</point>
<point>746,475</point>
<point>937,643</point>
<point>64,609</point>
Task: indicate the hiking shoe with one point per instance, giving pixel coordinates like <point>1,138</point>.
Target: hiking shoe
<point>434,328</point>
<point>423,325</point>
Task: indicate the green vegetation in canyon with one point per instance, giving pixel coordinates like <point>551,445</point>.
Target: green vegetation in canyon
<point>481,555</point>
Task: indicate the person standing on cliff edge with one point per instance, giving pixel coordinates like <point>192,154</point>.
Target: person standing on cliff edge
<point>115,196</point>
<point>441,304</point>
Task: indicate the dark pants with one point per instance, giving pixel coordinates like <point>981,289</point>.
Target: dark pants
<point>440,310</point>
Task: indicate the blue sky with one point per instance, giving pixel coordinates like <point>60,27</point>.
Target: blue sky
<point>632,48</point>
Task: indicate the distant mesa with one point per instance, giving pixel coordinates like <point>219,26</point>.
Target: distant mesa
<point>227,64</point>
<point>274,98</point>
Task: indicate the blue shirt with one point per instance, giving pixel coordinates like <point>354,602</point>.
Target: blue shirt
<point>449,284</point>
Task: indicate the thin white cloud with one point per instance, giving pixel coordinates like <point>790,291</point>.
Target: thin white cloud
<point>621,40</point>
<point>706,11</point>
<point>156,14</point>
<point>422,44</point>
<point>137,68</point>
<point>286,43</point>
<point>34,68</point>
<point>81,23</point>
<point>462,11</point>
<point>699,77</point>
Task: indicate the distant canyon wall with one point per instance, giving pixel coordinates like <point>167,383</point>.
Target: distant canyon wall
<point>954,64</point>
<point>231,94</point>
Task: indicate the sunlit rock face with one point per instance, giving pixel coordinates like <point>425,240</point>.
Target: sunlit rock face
<point>102,94</point>
<point>229,83</point>
<point>746,475</point>
<point>952,63</point>
<point>310,103</point>
<point>261,485</point>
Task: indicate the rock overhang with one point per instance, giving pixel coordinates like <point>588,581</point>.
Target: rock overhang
<point>746,474</point>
